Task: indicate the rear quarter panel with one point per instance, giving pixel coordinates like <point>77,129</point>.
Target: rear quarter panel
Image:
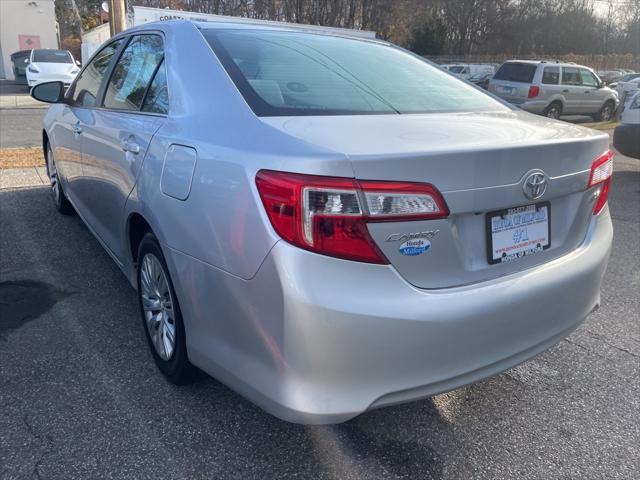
<point>222,221</point>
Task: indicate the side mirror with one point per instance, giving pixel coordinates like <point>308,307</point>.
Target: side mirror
<point>49,92</point>
<point>26,60</point>
<point>78,63</point>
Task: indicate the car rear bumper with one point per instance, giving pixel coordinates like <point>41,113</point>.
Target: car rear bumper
<point>314,339</point>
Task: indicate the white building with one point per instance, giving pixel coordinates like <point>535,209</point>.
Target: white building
<point>25,25</point>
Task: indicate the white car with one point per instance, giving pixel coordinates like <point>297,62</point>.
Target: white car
<point>48,65</point>
<point>630,87</point>
<point>626,137</point>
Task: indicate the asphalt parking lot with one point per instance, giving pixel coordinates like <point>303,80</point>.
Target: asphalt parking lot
<point>81,398</point>
<point>21,127</point>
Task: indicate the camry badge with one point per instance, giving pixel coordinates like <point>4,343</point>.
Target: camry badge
<point>404,237</point>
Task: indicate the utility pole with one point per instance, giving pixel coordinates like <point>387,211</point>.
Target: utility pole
<point>117,16</point>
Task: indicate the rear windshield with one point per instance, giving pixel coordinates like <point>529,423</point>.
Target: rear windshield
<point>51,56</point>
<point>516,72</point>
<point>293,73</point>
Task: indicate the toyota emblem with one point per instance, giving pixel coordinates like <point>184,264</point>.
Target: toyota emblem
<point>535,185</point>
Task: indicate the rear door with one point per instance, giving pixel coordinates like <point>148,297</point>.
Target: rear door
<point>118,134</point>
<point>573,91</point>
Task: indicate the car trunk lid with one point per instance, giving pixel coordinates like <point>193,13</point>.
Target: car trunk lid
<point>479,162</point>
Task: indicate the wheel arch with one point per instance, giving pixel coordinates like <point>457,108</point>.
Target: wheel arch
<point>559,100</point>
<point>137,227</point>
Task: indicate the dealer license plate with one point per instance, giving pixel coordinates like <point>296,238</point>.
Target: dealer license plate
<point>518,232</point>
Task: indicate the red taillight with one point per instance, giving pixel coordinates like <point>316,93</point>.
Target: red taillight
<point>601,172</point>
<point>534,91</point>
<point>328,215</point>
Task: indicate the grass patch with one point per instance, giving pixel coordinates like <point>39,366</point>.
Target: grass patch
<point>601,125</point>
<point>21,157</point>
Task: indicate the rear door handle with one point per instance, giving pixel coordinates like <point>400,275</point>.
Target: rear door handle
<point>565,90</point>
<point>130,146</point>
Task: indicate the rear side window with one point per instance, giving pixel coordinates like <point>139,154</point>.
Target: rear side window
<point>157,98</point>
<point>132,73</point>
<point>86,87</point>
<point>551,75</point>
<point>516,72</point>
<point>571,76</point>
<point>588,78</point>
<point>295,73</point>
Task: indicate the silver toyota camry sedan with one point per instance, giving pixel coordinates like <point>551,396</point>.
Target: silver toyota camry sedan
<point>327,224</point>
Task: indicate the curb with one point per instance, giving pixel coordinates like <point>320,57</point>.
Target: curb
<point>9,102</point>
<point>23,177</point>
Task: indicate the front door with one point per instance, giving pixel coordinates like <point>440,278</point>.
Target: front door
<point>67,131</point>
<point>66,143</point>
<point>593,94</point>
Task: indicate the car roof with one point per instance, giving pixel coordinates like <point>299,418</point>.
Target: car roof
<point>553,63</point>
<point>252,24</point>
<point>267,25</point>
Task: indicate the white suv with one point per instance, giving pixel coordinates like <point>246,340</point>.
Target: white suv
<point>554,89</point>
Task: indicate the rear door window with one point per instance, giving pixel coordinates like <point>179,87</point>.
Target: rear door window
<point>588,78</point>
<point>157,98</point>
<point>132,73</point>
<point>571,76</point>
<point>516,72</point>
<point>551,75</point>
<point>88,83</point>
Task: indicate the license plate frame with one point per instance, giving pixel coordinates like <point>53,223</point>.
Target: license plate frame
<point>489,233</point>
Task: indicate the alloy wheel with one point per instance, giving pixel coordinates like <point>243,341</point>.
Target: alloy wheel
<point>554,113</point>
<point>157,305</point>
<point>606,114</point>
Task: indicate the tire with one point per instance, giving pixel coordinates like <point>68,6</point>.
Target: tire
<point>59,198</point>
<point>606,113</point>
<point>161,316</point>
<point>554,110</point>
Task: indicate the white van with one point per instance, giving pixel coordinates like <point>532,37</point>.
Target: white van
<point>468,70</point>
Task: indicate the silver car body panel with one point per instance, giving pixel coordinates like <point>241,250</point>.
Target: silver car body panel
<point>312,338</point>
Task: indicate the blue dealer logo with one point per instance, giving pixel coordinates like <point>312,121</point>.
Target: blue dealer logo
<point>415,247</point>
